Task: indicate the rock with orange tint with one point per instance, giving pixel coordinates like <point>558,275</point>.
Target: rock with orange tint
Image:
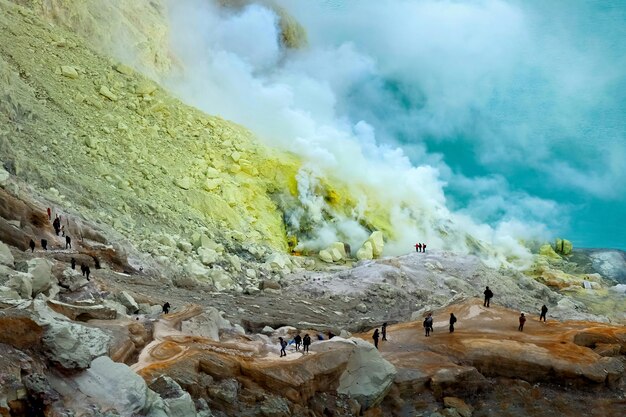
<point>19,330</point>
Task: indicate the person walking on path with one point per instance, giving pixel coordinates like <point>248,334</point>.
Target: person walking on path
<point>428,324</point>
<point>297,340</point>
<point>44,244</point>
<point>87,272</point>
<point>166,307</point>
<point>522,320</point>
<point>73,263</point>
<point>488,296</point>
<point>544,311</point>
<point>57,225</point>
<point>375,336</point>
<point>49,213</point>
<point>31,245</point>
<point>283,345</point>
<point>306,342</point>
<point>384,331</point>
<point>452,321</point>
<point>68,242</point>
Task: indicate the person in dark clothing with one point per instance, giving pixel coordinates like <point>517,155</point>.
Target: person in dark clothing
<point>522,320</point>
<point>68,242</point>
<point>49,213</point>
<point>297,340</point>
<point>73,263</point>
<point>488,296</point>
<point>428,324</point>
<point>423,247</point>
<point>31,245</point>
<point>320,336</point>
<point>544,311</point>
<point>57,225</point>
<point>417,247</point>
<point>375,336</point>
<point>306,342</point>
<point>83,268</point>
<point>452,321</point>
<point>283,345</point>
<point>384,331</point>
<point>87,272</point>
<point>330,335</point>
<point>166,307</point>
<point>44,244</point>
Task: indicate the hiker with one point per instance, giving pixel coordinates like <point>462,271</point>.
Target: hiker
<point>375,337</point>
<point>428,324</point>
<point>330,335</point>
<point>31,245</point>
<point>384,331</point>
<point>417,247</point>
<point>49,214</point>
<point>87,272</point>
<point>166,307</point>
<point>544,311</point>
<point>283,345</point>
<point>83,268</point>
<point>488,296</point>
<point>320,336</point>
<point>452,321</point>
<point>297,340</point>
<point>68,242</point>
<point>44,244</point>
<point>522,320</point>
<point>73,263</point>
<point>57,225</point>
<point>423,247</point>
<point>306,342</point>
<point>62,230</point>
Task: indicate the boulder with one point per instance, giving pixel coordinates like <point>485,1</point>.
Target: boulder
<point>4,177</point>
<point>19,330</point>
<point>177,401</point>
<point>457,380</point>
<point>547,251</point>
<point>22,283</point>
<point>365,252</point>
<point>106,92</point>
<point>270,284</point>
<point>69,71</point>
<point>367,377</point>
<point>207,256</point>
<point>275,407</point>
<point>83,312</point>
<point>6,257</point>
<point>326,256</point>
<point>196,270</point>
<point>113,385</point>
<point>41,271</point>
<point>378,243</point>
<point>72,279</point>
<point>222,281</point>
<point>278,261</point>
<point>128,301</point>
<point>207,324</point>
<point>226,390</point>
<point>184,183</point>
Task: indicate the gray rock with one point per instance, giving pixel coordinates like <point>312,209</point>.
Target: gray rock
<point>207,324</point>
<point>178,402</point>
<point>6,257</point>
<point>128,301</point>
<point>114,385</point>
<point>275,407</point>
<point>41,271</point>
<point>227,390</point>
<point>72,279</point>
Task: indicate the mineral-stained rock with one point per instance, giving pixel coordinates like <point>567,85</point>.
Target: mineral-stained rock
<point>128,301</point>
<point>365,252</point>
<point>18,329</point>
<point>207,324</point>
<point>69,71</point>
<point>72,279</point>
<point>22,283</point>
<point>326,256</point>
<point>459,405</point>
<point>457,380</point>
<point>106,92</point>
<point>83,312</point>
<point>226,391</point>
<point>563,246</point>
<point>275,407</point>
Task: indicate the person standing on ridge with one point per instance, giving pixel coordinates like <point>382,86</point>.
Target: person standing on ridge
<point>87,272</point>
<point>544,311</point>
<point>44,244</point>
<point>283,345</point>
<point>68,242</point>
<point>31,245</point>
<point>522,320</point>
<point>423,247</point>
<point>384,331</point>
<point>297,340</point>
<point>49,213</point>
<point>452,321</point>
<point>488,296</point>
<point>166,307</point>
<point>73,263</point>
<point>306,342</point>
<point>375,337</point>
<point>428,324</point>
<point>56,224</point>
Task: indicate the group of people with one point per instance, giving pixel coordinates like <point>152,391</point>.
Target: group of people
<point>58,228</point>
<point>377,334</point>
<point>297,341</point>
<point>420,247</point>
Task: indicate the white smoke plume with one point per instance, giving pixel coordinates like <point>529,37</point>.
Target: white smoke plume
<point>380,83</point>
